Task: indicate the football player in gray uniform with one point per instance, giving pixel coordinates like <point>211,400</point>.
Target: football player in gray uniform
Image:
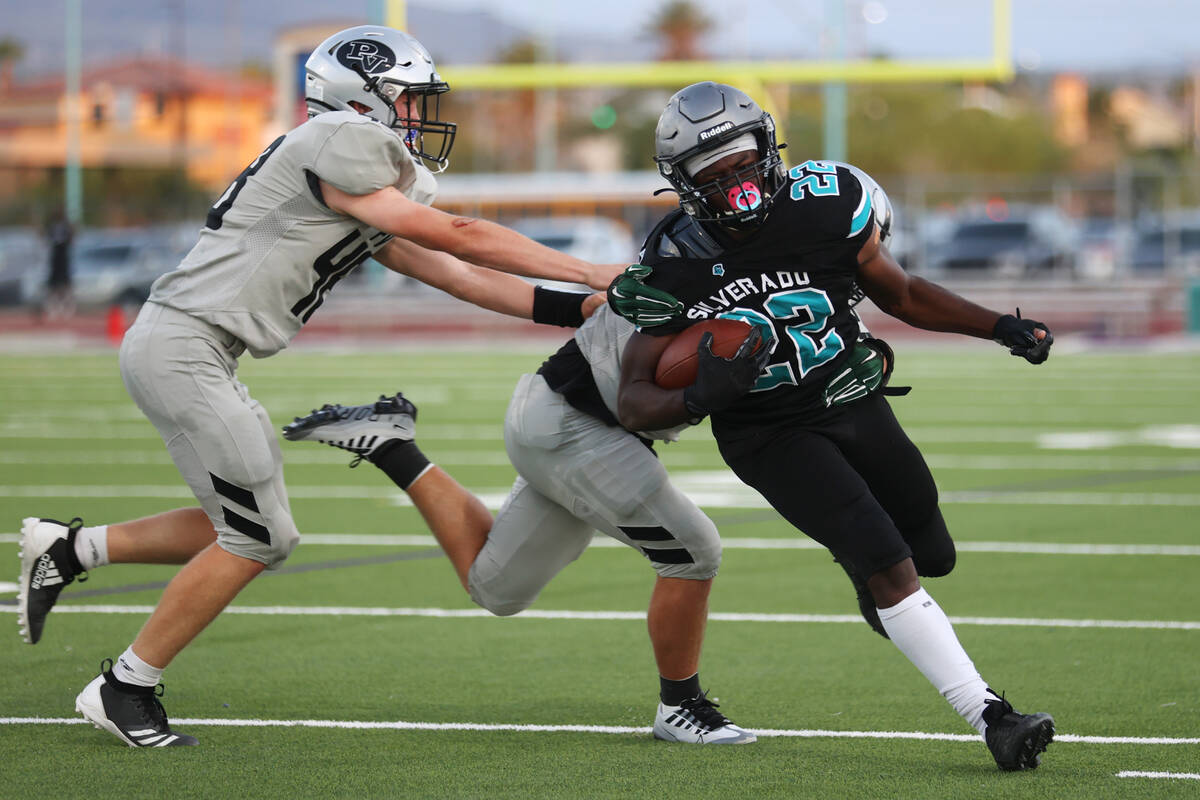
<point>354,181</point>
<point>579,471</point>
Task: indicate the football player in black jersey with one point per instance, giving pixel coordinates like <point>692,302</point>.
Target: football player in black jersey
<point>790,252</point>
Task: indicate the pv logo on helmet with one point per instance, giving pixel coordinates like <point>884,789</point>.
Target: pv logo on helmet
<point>371,57</point>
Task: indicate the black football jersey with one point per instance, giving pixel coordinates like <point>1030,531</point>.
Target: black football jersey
<point>793,278</point>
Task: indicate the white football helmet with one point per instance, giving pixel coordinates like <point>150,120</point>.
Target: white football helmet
<point>388,76</point>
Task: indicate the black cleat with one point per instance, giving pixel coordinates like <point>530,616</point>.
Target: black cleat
<point>48,565</point>
<point>362,430</point>
<point>1016,740</point>
<point>866,602</point>
<point>131,713</point>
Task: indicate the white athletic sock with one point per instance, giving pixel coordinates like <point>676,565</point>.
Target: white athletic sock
<point>921,630</point>
<point>128,668</point>
<point>91,546</point>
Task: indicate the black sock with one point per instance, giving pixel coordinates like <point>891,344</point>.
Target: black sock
<point>403,462</point>
<point>673,693</point>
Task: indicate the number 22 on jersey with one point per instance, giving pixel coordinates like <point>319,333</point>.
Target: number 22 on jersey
<point>811,344</point>
<point>814,177</point>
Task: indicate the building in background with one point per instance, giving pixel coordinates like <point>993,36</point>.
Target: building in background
<point>140,113</point>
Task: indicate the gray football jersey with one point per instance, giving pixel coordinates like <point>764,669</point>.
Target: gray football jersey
<point>602,339</point>
<point>270,250</point>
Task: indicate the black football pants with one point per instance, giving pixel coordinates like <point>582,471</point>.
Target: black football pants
<point>852,480</point>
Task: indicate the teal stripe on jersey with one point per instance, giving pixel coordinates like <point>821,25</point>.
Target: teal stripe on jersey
<point>861,215</point>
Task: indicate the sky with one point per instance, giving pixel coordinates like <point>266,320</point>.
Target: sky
<point>1058,34</point>
<point>1048,35</point>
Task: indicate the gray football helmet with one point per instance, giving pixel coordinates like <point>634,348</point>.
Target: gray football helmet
<point>704,117</point>
<point>382,73</point>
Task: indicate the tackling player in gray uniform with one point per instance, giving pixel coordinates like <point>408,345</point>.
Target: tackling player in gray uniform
<point>354,181</point>
<point>579,471</point>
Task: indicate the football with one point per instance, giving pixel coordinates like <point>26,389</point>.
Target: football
<point>677,365</point>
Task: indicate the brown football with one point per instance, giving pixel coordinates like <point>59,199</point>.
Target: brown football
<point>677,365</point>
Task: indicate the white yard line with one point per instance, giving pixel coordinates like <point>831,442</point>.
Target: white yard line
<point>751,543</point>
<point>1184,776</point>
<point>478,613</point>
<point>1040,462</point>
<point>700,487</point>
<point>607,729</point>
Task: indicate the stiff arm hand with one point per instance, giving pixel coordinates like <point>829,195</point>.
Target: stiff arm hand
<point>643,305</point>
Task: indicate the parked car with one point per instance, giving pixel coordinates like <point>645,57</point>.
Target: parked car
<point>599,240</point>
<point>1017,244</point>
<point>23,257</point>
<point>1103,248</point>
<point>1174,246</point>
<point>114,266</point>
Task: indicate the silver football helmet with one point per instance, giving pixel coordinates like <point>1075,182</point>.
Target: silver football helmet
<point>706,118</point>
<point>388,76</point>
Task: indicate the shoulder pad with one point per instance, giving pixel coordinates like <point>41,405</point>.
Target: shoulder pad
<point>359,155</point>
<point>681,236</point>
<point>841,207</point>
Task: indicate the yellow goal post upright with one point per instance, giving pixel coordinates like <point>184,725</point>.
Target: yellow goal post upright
<point>754,77</point>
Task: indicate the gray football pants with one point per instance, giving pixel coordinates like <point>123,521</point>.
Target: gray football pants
<point>181,372</point>
<point>578,475</point>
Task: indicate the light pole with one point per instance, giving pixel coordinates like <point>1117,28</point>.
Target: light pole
<point>73,186</point>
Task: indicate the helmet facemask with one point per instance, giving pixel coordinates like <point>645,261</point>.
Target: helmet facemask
<point>738,199</point>
<point>425,99</point>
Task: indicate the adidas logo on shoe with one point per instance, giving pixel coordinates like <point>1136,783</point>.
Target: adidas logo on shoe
<point>45,573</point>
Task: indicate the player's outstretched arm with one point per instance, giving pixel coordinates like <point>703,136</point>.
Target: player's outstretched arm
<point>914,300</point>
<point>924,304</point>
<point>477,241</point>
<point>486,288</point>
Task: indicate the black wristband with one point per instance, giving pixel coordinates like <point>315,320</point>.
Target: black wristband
<point>552,307</point>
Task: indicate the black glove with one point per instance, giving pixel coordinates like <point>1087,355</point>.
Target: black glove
<point>720,382</point>
<point>643,305</point>
<point>1017,335</point>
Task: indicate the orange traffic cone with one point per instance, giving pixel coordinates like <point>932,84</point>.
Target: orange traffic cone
<point>115,325</point>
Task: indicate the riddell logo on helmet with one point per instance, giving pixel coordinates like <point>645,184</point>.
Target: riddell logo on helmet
<point>713,131</point>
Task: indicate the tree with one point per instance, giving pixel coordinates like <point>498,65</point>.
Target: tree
<point>11,51</point>
<point>680,24</point>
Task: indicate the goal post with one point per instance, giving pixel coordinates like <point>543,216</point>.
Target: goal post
<point>752,76</point>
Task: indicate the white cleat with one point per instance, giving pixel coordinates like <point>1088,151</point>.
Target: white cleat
<point>361,430</point>
<point>697,721</point>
